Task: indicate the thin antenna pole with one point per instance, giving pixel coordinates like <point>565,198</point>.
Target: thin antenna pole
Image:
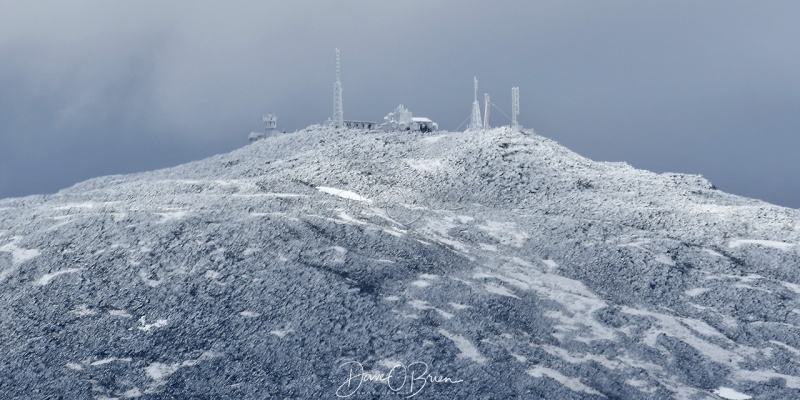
<point>486,111</point>
<point>514,106</point>
<point>338,112</point>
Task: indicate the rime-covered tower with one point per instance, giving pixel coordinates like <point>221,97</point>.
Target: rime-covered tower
<point>475,119</point>
<point>486,103</point>
<point>514,106</point>
<point>338,113</point>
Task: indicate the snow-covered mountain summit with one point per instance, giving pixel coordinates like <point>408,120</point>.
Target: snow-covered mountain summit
<point>488,265</point>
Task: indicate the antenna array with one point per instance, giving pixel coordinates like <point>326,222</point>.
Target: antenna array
<point>338,112</point>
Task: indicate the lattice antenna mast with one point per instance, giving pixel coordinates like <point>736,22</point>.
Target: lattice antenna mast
<point>338,113</point>
<point>514,106</point>
<point>475,118</point>
<point>486,104</point>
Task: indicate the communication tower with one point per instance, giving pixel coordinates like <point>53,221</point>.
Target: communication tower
<point>514,106</point>
<point>338,113</point>
<point>486,103</point>
<point>475,119</point>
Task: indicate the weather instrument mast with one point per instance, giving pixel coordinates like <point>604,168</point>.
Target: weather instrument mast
<point>486,103</point>
<point>514,106</point>
<point>338,113</point>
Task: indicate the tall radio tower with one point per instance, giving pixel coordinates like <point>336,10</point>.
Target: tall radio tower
<point>514,106</point>
<point>338,113</point>
<point>475,119</point>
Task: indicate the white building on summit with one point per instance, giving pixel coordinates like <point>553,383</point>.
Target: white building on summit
<point>402,120</point>
<point>270,129</point>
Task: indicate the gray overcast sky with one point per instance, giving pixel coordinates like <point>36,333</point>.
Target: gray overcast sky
<point>90,88</point>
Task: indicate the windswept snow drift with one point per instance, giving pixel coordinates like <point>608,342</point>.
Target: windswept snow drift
<point>335,262</point>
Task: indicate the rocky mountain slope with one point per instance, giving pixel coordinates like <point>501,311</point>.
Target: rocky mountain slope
<point>481,265</point>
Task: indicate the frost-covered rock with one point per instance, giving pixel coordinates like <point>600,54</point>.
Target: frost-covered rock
<point>328,263</point>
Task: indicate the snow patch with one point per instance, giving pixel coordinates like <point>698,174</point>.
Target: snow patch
<point>459,306</point>
<point>160,323</point>
<point>211,274</point>
<point>433,139</point>
<point>132,393</point>
<point>664,259</point>
<point>506,232</point>
<point>389,364</point>
<point>145,276</point>
<point>249,314</point>
<point>159,372</point>
<point>637,244</point>
<point>19,255</point>
<point>501,290</point>
<point>640,384</point>
<point>702,328</point>
<point>250,251</point>
<point>765,243</point>
<point>573,384</point>
<point>346,194</point>
<point>64,220</point>
<point>430,165</point>
<point>423,305</point>
<point>339,249</point>
<point>550,264</point>
<point>74,366</point>
<point>764,376</point>
<point>696,291</point>
<point>47,278</point>
<point>69,206</point>
<point>405,315</point>
<point>109,360</point>
<point>712,253</point>
<point>791,286</point>
<point>730,394</point>
<point>791,349</point>
<point>169,216</point>
<point>579,302</point>
<point>120,313</point>
<point>83,310</point>
<point>467,349</point>
<point>573,359</point>
<point>281,333</point>
<point>681,328</point>
<point>347,218</point>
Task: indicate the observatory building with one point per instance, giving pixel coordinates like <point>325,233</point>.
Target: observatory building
<point>270,129</point>
<point>402,120</point>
